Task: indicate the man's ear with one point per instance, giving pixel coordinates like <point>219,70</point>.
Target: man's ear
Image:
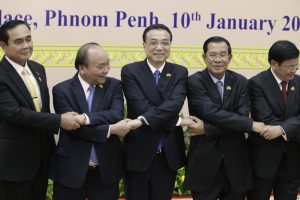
<point>273,62</point>
<point>80,67</point>
<point>2,45</point>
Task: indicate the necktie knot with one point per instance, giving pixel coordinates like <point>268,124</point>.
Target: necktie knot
<point>283,84</point>
<point>24,71</point>
<point>156,76</point>
<point>219,83</point>
<point>91,89</point>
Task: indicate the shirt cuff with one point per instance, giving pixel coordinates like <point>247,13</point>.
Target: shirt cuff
<point>283,134</point>
<point>108,132</point>
<point>142,118</point>
<point>179,121</point>
<point>87,120</point>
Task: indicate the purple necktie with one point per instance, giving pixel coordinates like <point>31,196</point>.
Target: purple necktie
<point>220,85</point>
<point>89,100</point>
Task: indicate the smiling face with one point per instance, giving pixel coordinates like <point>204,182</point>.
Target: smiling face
<point>157,46</point>
<point>217,58</point>
<point>96,70</point>
<point>19,46</point>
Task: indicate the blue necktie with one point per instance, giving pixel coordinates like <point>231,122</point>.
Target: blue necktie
<point>89,100</point>
<point>157,76</point>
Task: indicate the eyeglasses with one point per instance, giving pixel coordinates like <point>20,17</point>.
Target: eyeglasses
<point>213,56</point>
<point>293,67</point>
<point>155,43</point>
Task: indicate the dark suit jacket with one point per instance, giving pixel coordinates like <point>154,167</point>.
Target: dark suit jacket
<point>267,105</point>
<point>26,136</point>
<point>160,105</point>
<point>71,160</point>
<point>225,124</point>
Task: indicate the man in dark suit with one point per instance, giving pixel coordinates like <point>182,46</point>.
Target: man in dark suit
<point>88,162</point>
<point>155,91</point>
<point>26,126</point>
<point>275,100</point>
<point>218,162</point>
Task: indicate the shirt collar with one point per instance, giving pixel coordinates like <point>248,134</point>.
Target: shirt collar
<point>17,67</point>
<point>85,85</point>
<point>215,80</point>
<point>276,77</point>
<point>153,69</point>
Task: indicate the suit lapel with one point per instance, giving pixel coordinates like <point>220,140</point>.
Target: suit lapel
<point>18,81</point>
<point>149,83</point>
<point>79,94</point>
<point>292,91</point>
<point>228,87</point>
<point>214,92</point>
<point>165,77</point>
<point>41,83</point>
<point>98,96</point>
<point>274,91</point>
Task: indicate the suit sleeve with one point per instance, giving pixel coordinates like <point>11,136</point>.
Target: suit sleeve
<point>14,112</point>
<point>262,111</point>
<point>98,129</point>
<point>213,115</point>
<point>164,115</point>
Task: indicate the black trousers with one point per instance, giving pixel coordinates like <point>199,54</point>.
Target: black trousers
<point>27,190</point>
<point>156,183</point>
<point>220,189</point>
<point>92,189</point>
<point>283,187</point>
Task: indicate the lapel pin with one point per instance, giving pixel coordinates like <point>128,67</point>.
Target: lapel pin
<point>168,75</point>
<point>101,86</point>
<point>292,88</point>
<point>228,87</point>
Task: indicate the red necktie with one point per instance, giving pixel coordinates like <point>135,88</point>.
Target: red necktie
<point>283,91</point>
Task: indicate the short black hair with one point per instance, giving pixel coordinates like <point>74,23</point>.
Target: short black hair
<point>283,50</point>
<point>82,54</point>
<point>8,25</point>
<point>216,39</point>
<point>157,27</point>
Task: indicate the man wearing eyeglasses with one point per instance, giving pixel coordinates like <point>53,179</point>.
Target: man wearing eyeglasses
<point>275,100</point>
<point>218,159</point>
<point>155,91</point>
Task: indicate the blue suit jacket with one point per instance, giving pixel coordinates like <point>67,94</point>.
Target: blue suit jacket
<point>160,105</point>
<point>71,160</point>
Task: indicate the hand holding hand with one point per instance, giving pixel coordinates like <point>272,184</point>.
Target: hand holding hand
<point>134,124</point>
<point>120,128</point>
<point>197,128</point>
<point>69,121</point>
<point>187,121</point>
<point>272,132</point>
<point>259,127</point>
